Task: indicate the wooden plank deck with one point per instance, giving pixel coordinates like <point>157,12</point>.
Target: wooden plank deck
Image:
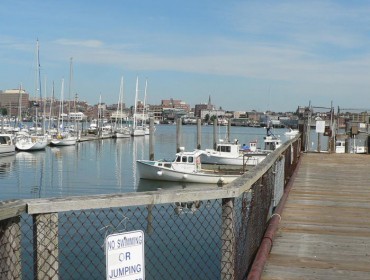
<point>324,232</point>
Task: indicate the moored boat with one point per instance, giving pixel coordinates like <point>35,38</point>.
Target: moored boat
<point>233,154</point>
<point>25,142</point>
<point>185,168</point>
<point>7,146</point>
<point>64,139</point>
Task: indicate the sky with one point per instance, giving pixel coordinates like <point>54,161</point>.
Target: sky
<point>245,55</point>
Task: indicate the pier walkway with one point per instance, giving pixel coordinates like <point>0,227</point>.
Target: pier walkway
<point>324,231</point>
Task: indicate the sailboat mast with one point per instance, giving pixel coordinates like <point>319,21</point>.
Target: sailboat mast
<point>20,105</point>
<point>136,96</point>
<point>70,86</point>
<point>61,109</point>
<point>38,83</point>
<point>51,107</point>
<point>146,86</point>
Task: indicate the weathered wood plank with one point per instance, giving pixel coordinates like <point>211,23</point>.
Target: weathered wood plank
<point>11,208</point>
<point>325,228</point>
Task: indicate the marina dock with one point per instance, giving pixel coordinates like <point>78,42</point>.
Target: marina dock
<point>324,231</point>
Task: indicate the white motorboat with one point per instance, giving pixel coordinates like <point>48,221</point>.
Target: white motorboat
<point>25,142</point>
<point>185,168</point>
<point>7,146</point>
<point>234,154</point>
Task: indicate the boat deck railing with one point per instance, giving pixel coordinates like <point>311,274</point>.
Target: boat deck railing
<point>200,233</point>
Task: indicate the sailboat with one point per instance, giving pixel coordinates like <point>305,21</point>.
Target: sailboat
<point>136,130</point>
<point>63,137</point>
<point>25,141</point>
<point>121,131</point>
<point>145,126</point>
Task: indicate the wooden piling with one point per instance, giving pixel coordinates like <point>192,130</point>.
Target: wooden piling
<point>151,139</point>
<point>46,256</point>
<point>228,130</point>
<point>215,133</point>
<point>199,133</point>
<point>10,253</point>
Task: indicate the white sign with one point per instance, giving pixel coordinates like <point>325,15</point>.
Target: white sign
<point>320,126</point>
<point>125,255</point>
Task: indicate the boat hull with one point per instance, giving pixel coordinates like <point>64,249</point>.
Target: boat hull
<point>138,132</point>
<point>7,150</point>
<point>64,142</point>
<point>148,170</point>
<point>31,143</point>
<point>248,160</point>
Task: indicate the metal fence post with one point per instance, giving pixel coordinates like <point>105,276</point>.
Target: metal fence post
<point>46,254</point>
<point>10,262</point>
<point>228,240</point>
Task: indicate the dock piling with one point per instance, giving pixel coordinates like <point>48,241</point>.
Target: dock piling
<point>199,134</point>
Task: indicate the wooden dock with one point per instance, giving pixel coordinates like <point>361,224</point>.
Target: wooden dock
<point>324,232</point>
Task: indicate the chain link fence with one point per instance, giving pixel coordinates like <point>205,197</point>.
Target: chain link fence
<point>202,234</point>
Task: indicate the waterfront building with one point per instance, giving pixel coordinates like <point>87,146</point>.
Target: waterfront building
<point>13,100</point>
<point>78,116</point>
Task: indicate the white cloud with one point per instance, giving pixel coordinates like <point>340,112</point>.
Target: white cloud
<point>79,43</point>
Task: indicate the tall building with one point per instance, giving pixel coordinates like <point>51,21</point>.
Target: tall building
<point>13,100</point>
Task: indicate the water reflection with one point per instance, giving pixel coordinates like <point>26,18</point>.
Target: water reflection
<point>34,163</point>
<point>138,152</point>
<point>6,165</point>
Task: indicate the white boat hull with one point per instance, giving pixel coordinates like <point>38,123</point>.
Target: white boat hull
<point>138,132</point>
<point>147,170</point>
<point>7,150</point>
<point>64,142</point>
<point>32,143</point>
<point>248,160</point>
<point>122,135</point>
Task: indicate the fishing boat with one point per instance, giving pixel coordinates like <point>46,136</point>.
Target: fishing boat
<point>233,154</point>
<point>7,146</point>
<point>185,168</point>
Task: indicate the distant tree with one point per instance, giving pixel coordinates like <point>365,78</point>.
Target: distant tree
<point>206,118</point>
<point>3,111</point>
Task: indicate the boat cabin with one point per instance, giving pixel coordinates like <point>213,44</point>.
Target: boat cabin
<point>272,143</point>
<point>6,139</point>
<point>187,161</point>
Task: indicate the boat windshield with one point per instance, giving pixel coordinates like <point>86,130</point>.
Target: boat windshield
<point>185,159</point>
<point>4,139</point>
<point>224,149</point>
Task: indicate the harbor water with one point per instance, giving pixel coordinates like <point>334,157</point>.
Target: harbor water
<point>104,166</point>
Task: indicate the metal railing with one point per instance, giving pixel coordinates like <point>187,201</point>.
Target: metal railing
<point>208,233</point>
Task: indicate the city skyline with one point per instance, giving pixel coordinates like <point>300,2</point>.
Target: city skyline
<point>244,54</point>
